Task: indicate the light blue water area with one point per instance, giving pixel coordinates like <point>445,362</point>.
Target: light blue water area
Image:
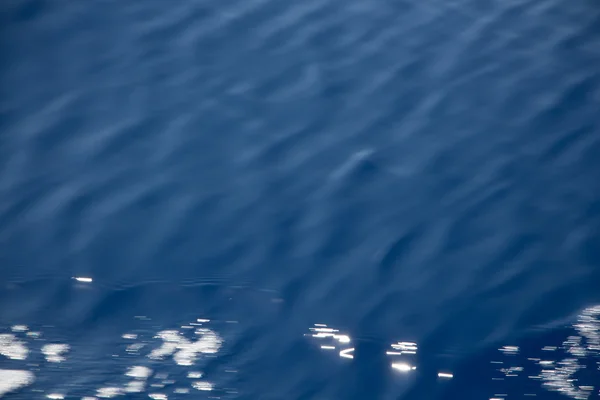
<point>187,187</point>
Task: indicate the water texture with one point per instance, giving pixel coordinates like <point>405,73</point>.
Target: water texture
<point>221,176</point>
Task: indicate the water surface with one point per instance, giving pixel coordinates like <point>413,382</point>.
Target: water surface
<point>230,173</point>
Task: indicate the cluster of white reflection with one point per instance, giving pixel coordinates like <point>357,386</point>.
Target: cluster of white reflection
<point>559,375</point>
<point>558,371</point>
<point>340,342</point>
<point>557,367</point>
<point>172,344</point>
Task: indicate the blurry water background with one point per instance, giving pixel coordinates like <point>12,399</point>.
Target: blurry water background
<point>230,173</point>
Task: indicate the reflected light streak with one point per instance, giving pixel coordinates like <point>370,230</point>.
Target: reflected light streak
<point>83,279</point>
<point>346,353</point>
<point>403,367</point>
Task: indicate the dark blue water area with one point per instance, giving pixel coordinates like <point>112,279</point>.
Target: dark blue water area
<point>317,199</point>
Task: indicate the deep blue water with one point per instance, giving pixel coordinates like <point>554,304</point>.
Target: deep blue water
<point>230,173</point>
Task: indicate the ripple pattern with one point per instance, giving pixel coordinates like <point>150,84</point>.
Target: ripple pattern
<point>397,169</point>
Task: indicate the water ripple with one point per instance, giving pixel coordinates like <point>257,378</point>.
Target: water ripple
<point>397,170</point>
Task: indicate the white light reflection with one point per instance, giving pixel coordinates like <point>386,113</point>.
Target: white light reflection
<point>343,338</point>
<point>13,348</point>
<point>129,336</point>
<point>561,375</point>
<point>83,279</point>
<point>181,345</point>
<point>331,335</point>
<point>347,353</point>
<point>54,352</point>
<point>109,392</point>
<point>509,349</point>
<point>11,380</point>
<point>402,348</point>
<point>445,375</point>
<point>403,367</point>
<point>136,386</point>
<point>19,328</point>
<point>139,372</point>
<point>183,350</point>
<point>204,386</point>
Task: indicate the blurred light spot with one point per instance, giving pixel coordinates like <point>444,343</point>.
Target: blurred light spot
<point>347,353</point>
<point>131,336</point>
<point>82,279</point>
<point>11,380</point>
<point>343,338</point>
<point>405,347</point>
<point>403,367</point>
<point>109,392</point>
<point>510,349</point>
<point>19,328</point>
<point>445,375</point>
<point>328,347</point>
<point>12,348</point>
<point>139,372</point>
<point>137,386</point>
<point>54,352</point>
<point>158,396</point>
<point>55,396</point>
<point>204,386</point>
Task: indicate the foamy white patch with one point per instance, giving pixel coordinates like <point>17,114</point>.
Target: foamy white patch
<point>129,336</point>
<point>209,343</point>
<point>54,352</point>
<point>171,341</point>
<point>135,347</point>
<point>55,396</point>
<point>19,328</point>
<point>158,396</point>
<point>11,380</point>
<point>204,386</point>
<point>560,376</point>
<point>139,372</point>
<point>137,386</point>
<point>12,348</point>
<point>109,392</point>
<point>183,350</point>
